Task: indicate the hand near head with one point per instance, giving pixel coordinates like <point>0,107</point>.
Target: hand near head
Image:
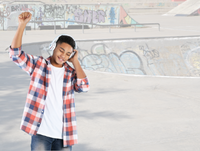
<point>24,18</point>
<point>75,57</point>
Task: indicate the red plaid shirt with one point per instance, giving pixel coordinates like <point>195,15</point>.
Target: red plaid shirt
<point>40,71</point>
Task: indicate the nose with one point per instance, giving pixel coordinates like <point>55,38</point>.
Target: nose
<point>62,56</point>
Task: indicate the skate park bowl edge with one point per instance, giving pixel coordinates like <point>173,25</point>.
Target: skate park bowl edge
<point>174,56</point>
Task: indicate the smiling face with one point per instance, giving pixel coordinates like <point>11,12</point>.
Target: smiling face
<point>61,54</point>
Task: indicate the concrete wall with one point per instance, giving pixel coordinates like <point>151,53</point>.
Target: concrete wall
<point>99,14</point>
<point>159,56</point>
<point>96,1</point>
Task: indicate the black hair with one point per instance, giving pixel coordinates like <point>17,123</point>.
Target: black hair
<point>66,39</point>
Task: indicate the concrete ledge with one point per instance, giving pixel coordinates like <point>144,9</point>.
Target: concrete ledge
<point>47,27</point>
<point>28,27</point>
<point>15,27</point>
<point>77,27</point>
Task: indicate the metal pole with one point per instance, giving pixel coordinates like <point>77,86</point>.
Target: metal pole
<point>25,30</point>
<point>83,28</point>
<point>3,22</point>
<point>34,18</point>
<point>92,17</point>
<point>159,26</point>
<point>3,16</point>
<point>135,28</point>
<point>54,27</point>
<point>109,29</point>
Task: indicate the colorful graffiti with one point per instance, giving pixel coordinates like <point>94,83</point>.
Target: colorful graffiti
<point>141,57</point>
<point>112,15</point>
<point>89,16</point>
<point>164,57</point>
<point>125,18</point>
<point>96,14</point>
<point>127,62</point>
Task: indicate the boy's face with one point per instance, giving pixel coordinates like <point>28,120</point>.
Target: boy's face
<point>61,54</point>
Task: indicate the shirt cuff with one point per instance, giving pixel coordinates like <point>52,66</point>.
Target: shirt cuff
<point>15,51</point>
<point>82,81</point>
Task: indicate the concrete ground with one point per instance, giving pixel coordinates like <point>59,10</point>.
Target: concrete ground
<point>120,112</point>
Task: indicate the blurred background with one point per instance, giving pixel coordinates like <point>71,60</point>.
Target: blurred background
<point>142,58</point>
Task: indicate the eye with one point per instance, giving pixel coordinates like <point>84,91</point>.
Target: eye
<point>61,50</point>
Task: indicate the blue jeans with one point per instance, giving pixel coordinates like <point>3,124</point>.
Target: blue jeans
<point>44,143</point>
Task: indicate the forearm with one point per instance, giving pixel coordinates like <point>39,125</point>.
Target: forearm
<point>17,40</point>
<point>79,71</point>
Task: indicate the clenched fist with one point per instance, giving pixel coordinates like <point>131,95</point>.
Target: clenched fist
<point>24,18</point>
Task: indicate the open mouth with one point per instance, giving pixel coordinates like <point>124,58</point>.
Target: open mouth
<point>61,60</point>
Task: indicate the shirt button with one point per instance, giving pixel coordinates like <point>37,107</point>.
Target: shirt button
<point>38,124</point>
<point>42,111</point>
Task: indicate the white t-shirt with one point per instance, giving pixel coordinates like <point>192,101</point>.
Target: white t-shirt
<point>52,121</point>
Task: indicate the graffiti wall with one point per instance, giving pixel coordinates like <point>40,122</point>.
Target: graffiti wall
<point>4,13</point>
<point>97,14</point>
<point>163,56</point>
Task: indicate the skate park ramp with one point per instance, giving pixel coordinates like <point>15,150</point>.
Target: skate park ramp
<point>121,111</point>
<point>137,112</point>
<point>187,8</point>
<point>178,56</point>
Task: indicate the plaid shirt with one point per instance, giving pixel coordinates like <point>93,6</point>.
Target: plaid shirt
<point>40,71</point>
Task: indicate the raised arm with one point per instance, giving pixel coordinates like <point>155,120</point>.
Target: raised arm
<point>23,19</point>
<point>23,60</point>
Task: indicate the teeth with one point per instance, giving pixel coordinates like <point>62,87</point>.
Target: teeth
<point>61,59</point>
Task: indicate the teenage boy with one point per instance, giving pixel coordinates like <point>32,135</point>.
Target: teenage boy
<point>49,115</point>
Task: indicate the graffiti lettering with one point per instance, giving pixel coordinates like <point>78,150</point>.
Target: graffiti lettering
<point>149,53</point>
<point>101,16</point>
<point>19,7</point>
<point>140,58</point>
<point>54,11</point>
<point>86,16</point>
<point>81,13</point>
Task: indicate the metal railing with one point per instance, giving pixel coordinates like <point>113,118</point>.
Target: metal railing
<point>82,23</point>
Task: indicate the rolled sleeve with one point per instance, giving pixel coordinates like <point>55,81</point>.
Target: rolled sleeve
<point>15,51</point>
<point>82,85</point>
<point>23,60</point>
